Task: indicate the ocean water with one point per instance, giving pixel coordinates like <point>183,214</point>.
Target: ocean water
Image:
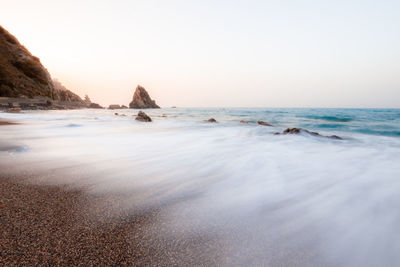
<point>273,197</point>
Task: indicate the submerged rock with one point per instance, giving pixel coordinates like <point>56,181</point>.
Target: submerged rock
<point>243,121</point>
<point>211,120</point>
<point>141,116</point>
<point>141,99</point>
<point>300,130</point>
<point>263,123</point>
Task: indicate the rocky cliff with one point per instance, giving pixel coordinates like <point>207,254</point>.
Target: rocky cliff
<point>141,99</point>
<point>23,76</point>
<point>21,73</point>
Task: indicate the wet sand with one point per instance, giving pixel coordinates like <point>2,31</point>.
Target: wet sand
<point>4,122</point>
<point>59,226</point>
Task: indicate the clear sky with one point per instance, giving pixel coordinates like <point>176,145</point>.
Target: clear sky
<point>218,53</point>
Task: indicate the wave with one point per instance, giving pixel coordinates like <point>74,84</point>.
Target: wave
<point>329,118</point>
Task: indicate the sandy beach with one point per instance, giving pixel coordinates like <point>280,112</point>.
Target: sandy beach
<point>56,226</point>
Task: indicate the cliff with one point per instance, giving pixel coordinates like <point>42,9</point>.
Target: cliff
<point>22,75</point>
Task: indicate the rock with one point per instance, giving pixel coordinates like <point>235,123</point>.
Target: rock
<point>61,93</point>
<point>114,107</point>
<point>300,130</point>
<point>263,123</point>
<point>242,121</point>
<point>335,137</point>
<point>21,73</point>
<point>87,100</point>
<point>116,113</point>
<point>211,120</point>
<point>123,107</point>
<point>22,76</point>
<point>141,99</point>
<point>141,116</point>
<point>94,105</point>
<point>292,131</point>
<point>173,107</point>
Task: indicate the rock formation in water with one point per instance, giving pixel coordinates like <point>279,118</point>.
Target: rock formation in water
<point>94,105</point>
<point>22,77</point>
<point>263,123</point>
<point>141,116</point>
<point>141,99</point>
<point>114,106</point>
<point>211,120</point>
<point>300,130</point>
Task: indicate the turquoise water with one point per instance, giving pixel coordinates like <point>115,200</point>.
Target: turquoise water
<point>367,121</point>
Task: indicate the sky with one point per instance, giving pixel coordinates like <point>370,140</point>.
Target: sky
<point>210,53</point>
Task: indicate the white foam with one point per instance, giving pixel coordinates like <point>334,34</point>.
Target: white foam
<point>344,194</point>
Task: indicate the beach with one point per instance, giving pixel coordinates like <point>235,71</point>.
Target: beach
<point>56,226</point>
<point>88,187</point>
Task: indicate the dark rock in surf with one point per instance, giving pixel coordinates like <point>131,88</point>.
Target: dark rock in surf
<point>211,120</point>
<point>143,117</point>
<point>335,137</point>
<point>300,130</point>
<point>263,123</point>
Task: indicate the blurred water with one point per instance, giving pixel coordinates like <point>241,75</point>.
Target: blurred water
<point>338,199</point>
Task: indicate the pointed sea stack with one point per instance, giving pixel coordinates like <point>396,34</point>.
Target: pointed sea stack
<point>141,99</point>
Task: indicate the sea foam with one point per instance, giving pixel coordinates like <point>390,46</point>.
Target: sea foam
<point>338,199</point>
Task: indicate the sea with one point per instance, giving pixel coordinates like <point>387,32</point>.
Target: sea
<point>335,202</point>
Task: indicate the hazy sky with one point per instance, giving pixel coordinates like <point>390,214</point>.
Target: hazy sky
<point>218,53</point>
